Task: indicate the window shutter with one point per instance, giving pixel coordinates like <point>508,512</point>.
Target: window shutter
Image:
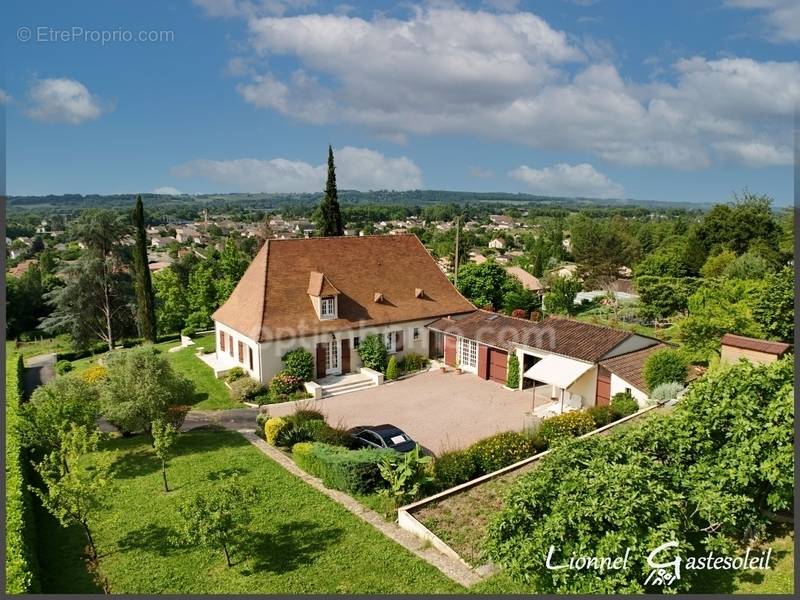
<point>222,341</point>
<point>321,351</point>
<point>241,352</point>
<point>250,351</point>
<point>398,341</point>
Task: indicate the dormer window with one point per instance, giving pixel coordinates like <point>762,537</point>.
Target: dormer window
<point>327,307</point>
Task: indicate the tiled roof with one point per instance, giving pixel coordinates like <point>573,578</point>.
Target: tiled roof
<point>748,343</point>
<point>630,367</point>
<point>271,300</point>
<point>572,338</point>
<point>486,327</point>
<point>528,281</point>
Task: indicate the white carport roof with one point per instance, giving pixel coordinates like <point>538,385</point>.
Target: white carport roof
<point>557,370</point>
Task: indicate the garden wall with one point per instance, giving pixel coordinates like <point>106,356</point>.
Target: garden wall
<point>22,570</point>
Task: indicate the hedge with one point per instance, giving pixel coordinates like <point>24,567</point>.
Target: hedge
<point>351,471</point>
<point>22,570</point>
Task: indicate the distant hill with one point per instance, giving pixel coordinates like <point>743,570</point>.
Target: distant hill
<point>278,200</point>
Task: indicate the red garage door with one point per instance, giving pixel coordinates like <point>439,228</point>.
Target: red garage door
<point>603,386</point>
<point>497,365</point>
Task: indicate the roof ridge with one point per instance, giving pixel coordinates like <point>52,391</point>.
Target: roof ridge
<point>263,294</point>
<point>345,237</point>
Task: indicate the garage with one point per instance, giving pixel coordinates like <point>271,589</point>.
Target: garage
<point>498,361</point>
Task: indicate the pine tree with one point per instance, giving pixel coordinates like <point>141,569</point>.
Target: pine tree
<point>330,218</point>
<point>145,300</point>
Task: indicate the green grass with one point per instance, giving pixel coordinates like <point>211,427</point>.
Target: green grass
<point>211,392</point>
<point>299,540</point>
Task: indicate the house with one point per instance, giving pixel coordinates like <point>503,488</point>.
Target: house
<point>528,281</point>
<point>326,295</point>
<point>565,270</point>
<point>22,267</point>
<point>559,358</point>
<point>735,347</point>
<point>185,234</point>
<point>497,244</point>
<point>161,242</point>
<point>502,221</point>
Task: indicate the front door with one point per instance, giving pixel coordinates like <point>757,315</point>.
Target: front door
<point>333,365</point>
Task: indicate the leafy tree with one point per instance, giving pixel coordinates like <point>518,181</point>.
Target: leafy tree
<point>202,296</point>
<point>60,403</point>
<point>717,264</point>
<point>693,477</point>
<point>519,298</point>
<point>484,284</point>
<point>772,305</point>
<point>749,265</point>
<point>96,301</point>
<point>76,485</point>
<point>748,218</point>
<point>664,262</point>
<point>663,297</point>
<point>216,516</point>
<point>145,301</point>
<point>140,387</point>
<point>26,300</point>
<point>561,297</point>
<point>372,352</point>
<point>715,308</point>
<point>330,217</point>
<point>171,305</point>
<point>232,265</point>
<point>600,248</point>
<point>164,437</point>
<point>665,366</point>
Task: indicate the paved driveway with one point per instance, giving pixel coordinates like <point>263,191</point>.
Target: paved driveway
<point>441,411</point>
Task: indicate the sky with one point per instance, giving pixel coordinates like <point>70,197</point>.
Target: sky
<point>685,101</point>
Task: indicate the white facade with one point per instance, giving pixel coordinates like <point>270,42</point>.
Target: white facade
<point>267,355</point>
<point>620,385</point>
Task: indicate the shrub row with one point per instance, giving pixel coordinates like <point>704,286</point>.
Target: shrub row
<point>282,388</point>
<point>304,426</point>
<point>351,471</point>
<point>504,449</point>
<point>22,572</point>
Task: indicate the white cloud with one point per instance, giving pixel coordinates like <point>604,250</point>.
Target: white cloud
<point>757,154</point>
<point>167,190</point>
<point>63,100</point>
<point>782,17</point>
<point>568,180</point>
<point>5,97</point>
<point>356,168</point>
<point>449,70</point>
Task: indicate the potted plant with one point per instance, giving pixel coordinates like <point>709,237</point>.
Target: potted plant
<point>457,366</point>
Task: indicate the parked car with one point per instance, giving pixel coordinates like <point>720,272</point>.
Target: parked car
<point>383,436</point>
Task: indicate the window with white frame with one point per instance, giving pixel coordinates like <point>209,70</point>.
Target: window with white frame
<point>467,353</point>
<point>416,333</point>
<point>327,307</point>
<point>389,341</point>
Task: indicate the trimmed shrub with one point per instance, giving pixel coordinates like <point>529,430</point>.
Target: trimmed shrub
<point>63,367</point>
<point>453,468</point>
<point>500,450</point>
<point>235,374</point>
<point>665,366</point>
<point>273,428</point>
<point>247,390</point>
<point>512,377</point>
<point>351,471</point>
<point>283,384</point>
<point>94,374</point>
<point>602,415</point>
<point>565,426</point>
<point>667,391</point>
<point>372,352</point>
<point>22,571</point>
<point>624,404</point>
<point>299,363</point>
<point>413,362</point>
<point>391,368</point>
<point>176,414</point>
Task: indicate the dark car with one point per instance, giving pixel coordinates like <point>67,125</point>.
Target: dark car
<point>383,436</point>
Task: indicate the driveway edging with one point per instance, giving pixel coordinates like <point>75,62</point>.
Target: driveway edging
<point>455,570</point>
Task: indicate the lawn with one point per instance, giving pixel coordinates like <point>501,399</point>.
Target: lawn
<point>299,540</point>
<point>211,392</point>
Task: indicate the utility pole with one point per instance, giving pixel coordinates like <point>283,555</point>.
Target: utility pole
<point>455,262</point>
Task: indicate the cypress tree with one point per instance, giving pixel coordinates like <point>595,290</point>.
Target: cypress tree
<point>330,218</point>
<point>145,300</point>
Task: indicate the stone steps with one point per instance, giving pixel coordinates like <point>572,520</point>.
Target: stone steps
<point>346,387</point>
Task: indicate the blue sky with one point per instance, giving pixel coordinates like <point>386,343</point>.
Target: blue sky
<point>680,100</point>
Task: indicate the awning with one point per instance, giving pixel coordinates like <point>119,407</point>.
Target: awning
<point>557,370</point>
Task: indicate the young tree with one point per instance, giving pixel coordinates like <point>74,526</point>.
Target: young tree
<point>96,299</point>
<point>484,284</point>
<point>145,301</point>
<point>140,387</point>
<point>202,296</point>
<point>561,297</point>
<point>217,516</point>
<point>330,216</point>
<point>372,352</point>
<point>171,305</point>
<point>164,437</point>
<point>665,366</point>
<point>60,403</point>
<point>76,485</point>
<point>772,305</point>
